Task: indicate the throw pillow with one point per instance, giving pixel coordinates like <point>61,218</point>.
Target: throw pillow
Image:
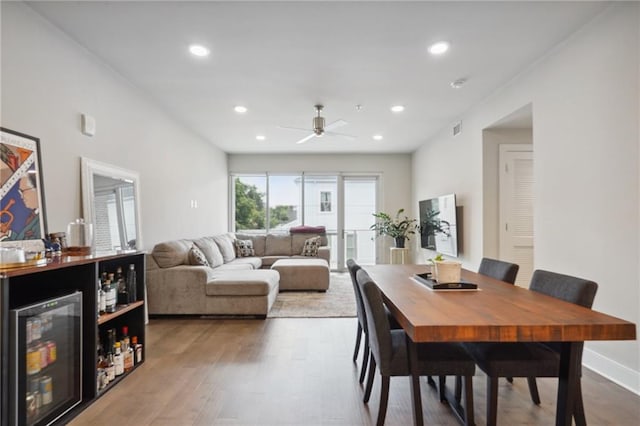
<point>244,248</point>
<point>197,257</point>
<point>311,247</point>
<point>225,244</point>
<point>210,249</point>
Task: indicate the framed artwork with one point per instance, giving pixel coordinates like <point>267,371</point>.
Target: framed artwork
<point>22,211</point>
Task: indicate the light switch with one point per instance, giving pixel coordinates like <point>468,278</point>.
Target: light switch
<point>88,125</point>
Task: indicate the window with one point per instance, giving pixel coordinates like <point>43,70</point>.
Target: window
<point>325,201</point>
<point>250,203</point>
<point>284,201</point>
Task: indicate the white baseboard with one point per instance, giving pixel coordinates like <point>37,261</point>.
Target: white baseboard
<point>612,370</point>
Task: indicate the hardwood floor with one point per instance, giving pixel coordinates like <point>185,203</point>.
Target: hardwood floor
<point>298,371</point>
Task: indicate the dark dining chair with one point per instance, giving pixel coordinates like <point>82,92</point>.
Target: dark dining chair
<point>499,269</point>
<point>361,331</point>
<point>533,360</point>
<point>389,352</point>
<point>353,268</point>
<point>503,271</point>
<point>507,272</point>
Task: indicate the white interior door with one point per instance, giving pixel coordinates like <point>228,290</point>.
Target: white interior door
<point>516,208</point>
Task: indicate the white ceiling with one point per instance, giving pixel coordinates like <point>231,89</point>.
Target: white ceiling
<point>280,58</point>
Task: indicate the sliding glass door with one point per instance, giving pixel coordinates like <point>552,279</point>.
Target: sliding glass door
<point>360,201</point>
<point>343,203</point>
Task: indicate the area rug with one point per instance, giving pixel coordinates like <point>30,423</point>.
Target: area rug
<point>338,301</point>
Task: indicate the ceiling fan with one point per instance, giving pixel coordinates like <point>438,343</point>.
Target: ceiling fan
<point>319,128</point>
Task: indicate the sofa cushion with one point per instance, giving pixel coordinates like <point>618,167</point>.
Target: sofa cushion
<point>210,250</point>
<point>244,248</point>
<point>234,266</point>
<point>172,253</point>
<point>254,262</point>
<point>311,247</point>
<point>225,244</point>
<point>267,261</point>
<point>240,283</point>
<point>259,242</point>
<point>278,245</point>
<point>197,257</point>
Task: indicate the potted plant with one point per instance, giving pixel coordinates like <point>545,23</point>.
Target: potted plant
<point>399,227</point>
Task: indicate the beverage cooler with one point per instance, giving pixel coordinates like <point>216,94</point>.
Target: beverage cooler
<point>45,362</point>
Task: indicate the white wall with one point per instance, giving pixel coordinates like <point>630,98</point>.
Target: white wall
<point>584,95</point>
<point>48,81</point>
<point>394,169</point>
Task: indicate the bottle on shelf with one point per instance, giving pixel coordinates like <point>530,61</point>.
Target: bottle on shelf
<point>102,299</point>
<point>111,367</point>
<point>127,352</point>
<point>137,348</point>
<point>110,296</point>
<point>102,370</point>
<point>131,283</point>
<point>118,361</point>
<point>123,293</point>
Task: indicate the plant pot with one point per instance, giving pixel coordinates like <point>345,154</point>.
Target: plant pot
<point>400,242</point>
<point>447,271</point>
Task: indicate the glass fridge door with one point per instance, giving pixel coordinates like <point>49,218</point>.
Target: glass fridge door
<point>45,361</point>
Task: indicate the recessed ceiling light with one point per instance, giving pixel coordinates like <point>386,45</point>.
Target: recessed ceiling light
<point>397,108</point>
<point>456,84</point>
<point>198,50</point>
<point>439,48</point>
<point>377,137</point>
<point>240,109</point>
<point>261,137</point>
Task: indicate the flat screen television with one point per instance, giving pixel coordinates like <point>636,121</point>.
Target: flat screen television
<point>439,225</point>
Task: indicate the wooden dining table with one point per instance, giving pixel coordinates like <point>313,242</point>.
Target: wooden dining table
<point>496,312</point>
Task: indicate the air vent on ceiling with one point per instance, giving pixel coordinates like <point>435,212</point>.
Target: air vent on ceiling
<point>457,128</point>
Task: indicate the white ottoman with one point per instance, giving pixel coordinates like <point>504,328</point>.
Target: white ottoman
<point>303,274</point>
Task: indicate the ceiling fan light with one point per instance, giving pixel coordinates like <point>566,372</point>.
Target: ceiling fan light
<point>198,50</point>
<point>439,48</point>
<point>397,108</point>
<point>240,109</point>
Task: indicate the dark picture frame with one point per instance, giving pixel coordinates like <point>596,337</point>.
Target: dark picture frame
<point>23,216</point>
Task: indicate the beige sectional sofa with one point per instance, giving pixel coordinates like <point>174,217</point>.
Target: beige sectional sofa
<point>230,284</point>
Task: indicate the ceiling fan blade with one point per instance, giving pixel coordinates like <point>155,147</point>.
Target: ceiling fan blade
<point>335,124</point>
<point>303,140</point>
<point>342,135</point>
<point>293,128</point>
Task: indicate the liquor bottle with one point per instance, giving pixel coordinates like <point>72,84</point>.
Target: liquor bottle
<point>111,367</point>
<point>137,348</point>
<point>123,293</point>
<point>102,298</point>
<point>110,296</point>
<point>103,366</point>
<point>127,350</point>
<point>125,338</point>
<point>118,361</point>
<point>132,284</point>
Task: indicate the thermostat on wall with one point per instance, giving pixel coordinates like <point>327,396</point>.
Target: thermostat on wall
<point>88,125</point>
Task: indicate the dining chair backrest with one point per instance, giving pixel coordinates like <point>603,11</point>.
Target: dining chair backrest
<point>378,324</point>
<point>499,269</point>
<point>353,268</point>
<point>564,287</point>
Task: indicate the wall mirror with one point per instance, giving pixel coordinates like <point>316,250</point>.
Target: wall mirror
<point>111,202</point>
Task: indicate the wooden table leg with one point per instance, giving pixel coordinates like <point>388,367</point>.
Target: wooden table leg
<point>415,382</point>
<point>567,380</point>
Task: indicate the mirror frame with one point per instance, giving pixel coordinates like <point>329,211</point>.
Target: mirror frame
<point>88,168</point>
